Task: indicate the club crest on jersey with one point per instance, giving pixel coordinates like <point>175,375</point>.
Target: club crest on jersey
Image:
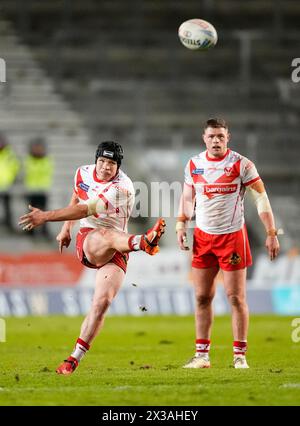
<point>198,172</point>
<point>228,171</point>
<point>235,259</point>
<point>84,186</point>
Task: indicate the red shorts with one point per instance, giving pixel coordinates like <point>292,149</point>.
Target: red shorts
<point>119,259</point>
<point>229,251</point>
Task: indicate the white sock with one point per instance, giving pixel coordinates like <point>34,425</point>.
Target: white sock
<point>136,242</point>
<point>202,348</point>
<point>80,349</point>
<point>239,348</point>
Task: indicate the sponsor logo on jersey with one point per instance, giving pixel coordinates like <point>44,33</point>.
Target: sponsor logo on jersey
<point>84,186</point>
<point>211,189</point>
<point>198,172</point>
<point>235,259</point>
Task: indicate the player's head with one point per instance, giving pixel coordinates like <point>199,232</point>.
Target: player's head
<point>216,137</point>
<point>111,150</point>
<point>37,147</point>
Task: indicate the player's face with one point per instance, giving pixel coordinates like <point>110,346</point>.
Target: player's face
<point>106,169</point>
<point>216,141</point>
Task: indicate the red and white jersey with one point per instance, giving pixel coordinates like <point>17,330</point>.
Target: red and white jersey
<point>118,195</point>
<point>220,186</point>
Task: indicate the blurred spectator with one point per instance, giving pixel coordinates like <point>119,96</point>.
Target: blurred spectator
<point>38,169</point>
<point>9,166</point>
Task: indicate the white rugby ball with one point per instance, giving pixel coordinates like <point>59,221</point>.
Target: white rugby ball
<point>197,34</point>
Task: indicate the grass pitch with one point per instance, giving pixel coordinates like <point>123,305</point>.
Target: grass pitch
<point>138,361</point>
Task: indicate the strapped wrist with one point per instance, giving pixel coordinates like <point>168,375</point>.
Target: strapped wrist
<point>274,232</point>
<point>180,226</point>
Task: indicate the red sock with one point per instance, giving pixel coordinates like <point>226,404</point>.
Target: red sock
<point>239,347</point>
<point>202,347</point>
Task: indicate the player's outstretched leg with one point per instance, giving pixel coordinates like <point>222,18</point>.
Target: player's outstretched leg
<point>150,240</point>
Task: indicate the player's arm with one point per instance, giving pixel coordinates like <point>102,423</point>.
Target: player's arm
<point>185,213</point>
<point>260,197</point>
<point>38,217</point>
<point>64,236</point>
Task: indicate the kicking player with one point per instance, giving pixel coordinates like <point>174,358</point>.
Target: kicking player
<point>216,180</point>
<point>103,199</point>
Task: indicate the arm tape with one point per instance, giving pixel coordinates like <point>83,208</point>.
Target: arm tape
<point>261,200</point>
<point>96,206</point>
<point>180,226</point>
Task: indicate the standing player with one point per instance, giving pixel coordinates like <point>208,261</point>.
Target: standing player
<point>216,180</point>
<point>103,198</point>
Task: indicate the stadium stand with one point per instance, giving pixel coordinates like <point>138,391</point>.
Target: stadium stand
<point>31,108</point>
<point>89,55</point>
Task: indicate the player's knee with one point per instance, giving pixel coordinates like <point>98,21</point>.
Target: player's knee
<point>203,301</point>
<point>100,307</point>
<point>236,300</point>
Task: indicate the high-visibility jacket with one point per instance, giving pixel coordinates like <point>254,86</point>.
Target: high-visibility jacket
<point>38,173</point>
<point>9,167</point>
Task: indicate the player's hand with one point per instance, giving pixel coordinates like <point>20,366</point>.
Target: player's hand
<point>182,240</point>
<point>273,247</point>
<point>33,219</point>
<point>64,239</point>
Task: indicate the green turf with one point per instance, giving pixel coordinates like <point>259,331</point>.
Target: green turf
<point>137,361</point>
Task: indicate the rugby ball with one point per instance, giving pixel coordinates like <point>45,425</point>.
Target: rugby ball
<point>197,34</point>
